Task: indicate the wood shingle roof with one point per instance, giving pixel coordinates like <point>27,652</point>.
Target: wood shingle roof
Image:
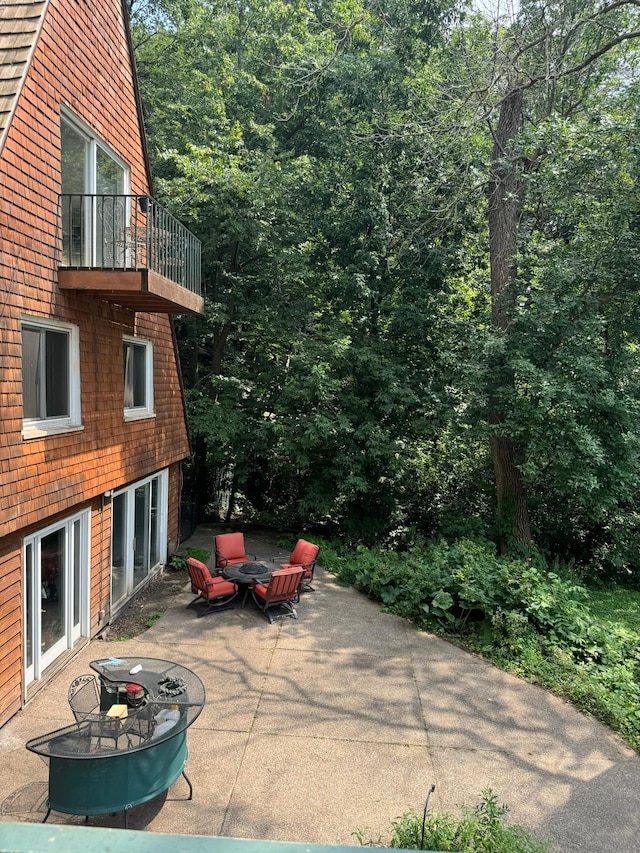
<point>20,22</point>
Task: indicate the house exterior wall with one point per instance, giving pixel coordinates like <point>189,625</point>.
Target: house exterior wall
<point>81,62</point>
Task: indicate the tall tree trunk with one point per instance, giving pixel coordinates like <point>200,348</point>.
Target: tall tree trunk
<point>504,207</point>
<point>200,485</point>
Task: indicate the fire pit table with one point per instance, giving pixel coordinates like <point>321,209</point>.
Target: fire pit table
<point>246,573</point>
<point>92,772</point>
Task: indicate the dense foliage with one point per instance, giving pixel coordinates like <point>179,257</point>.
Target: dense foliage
<point>357,369</point>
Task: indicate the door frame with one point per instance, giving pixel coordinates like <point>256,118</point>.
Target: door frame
<point>128,533</point>
<point>73,549</point>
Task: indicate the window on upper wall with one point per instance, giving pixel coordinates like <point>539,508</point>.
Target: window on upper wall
<point>95,204</point>
<point>138,377</point>
<point>50,377</point>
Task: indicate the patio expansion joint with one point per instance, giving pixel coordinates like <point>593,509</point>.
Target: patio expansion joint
<point>483,750</point>
<point>423,716</point>
<point>430,748</point>
<point>376,741</point>
<point>248,733</point>
<point>342,653</point>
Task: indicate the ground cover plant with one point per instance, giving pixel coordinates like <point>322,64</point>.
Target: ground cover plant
<point>621,605</point>
<point>179,561</point>
<point>581,643</point>
<point>153,618</point>
<point>480,829</point>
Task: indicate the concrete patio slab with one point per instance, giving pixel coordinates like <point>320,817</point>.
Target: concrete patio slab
<point>293,788</point>
<point>557,797</point>
<point>462,774</point>
<point>472,704</point>
<point>358,625</point>
<point>341,696</point>
<point>342,720</point>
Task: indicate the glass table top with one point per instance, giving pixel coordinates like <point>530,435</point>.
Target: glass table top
<point>173,699</point>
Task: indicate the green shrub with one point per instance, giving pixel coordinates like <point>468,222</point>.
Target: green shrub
<point>443,583</point>
<point>477,830</point>
<point>177,564</point>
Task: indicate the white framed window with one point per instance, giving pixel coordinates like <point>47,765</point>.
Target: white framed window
<point>50,377</point>
<point>95,203</point>
<point>137,355</point>
<point>56,592</point>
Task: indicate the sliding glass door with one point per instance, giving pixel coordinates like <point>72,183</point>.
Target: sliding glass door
<point>56,602</point>
<point>138,535</point>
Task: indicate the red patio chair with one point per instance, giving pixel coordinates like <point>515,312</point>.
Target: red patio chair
<point>216,592</point>
<point>282,590</point>
<point>229,548</point>
<point>304,556</point>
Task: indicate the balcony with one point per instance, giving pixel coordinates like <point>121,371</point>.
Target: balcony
<point>129,250</point>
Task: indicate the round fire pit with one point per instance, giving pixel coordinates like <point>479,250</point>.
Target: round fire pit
<point>253,569</point>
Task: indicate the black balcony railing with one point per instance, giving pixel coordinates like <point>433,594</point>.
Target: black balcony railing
<point>128,232</point>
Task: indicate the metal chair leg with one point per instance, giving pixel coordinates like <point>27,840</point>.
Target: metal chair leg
<point>190,797</point>
<point>286,606</point>
<point>291,610</point>
<point>47,815</point>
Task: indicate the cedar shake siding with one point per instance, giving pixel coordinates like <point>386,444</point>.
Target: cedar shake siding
<point>74,57</point>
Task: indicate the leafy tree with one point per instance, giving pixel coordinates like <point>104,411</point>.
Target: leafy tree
<point>313,248</point>
<point>550,69</point>
<point>420,249</point>
<point>546,67</point>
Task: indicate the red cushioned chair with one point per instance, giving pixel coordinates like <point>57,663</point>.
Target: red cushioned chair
<point>304,556</point>
<point>229,548</point>
<point>216,592</point>
<point>282,590</point>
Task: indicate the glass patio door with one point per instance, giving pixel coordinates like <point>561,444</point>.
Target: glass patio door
<point>56,592</point>
<point>95,207</point>
<point>118,547</point>
<point>112,211</point>
<point>76,213</point>
<point>138,535</point>
<point>142,533</point>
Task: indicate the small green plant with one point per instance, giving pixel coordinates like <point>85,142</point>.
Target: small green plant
<point>122,638</point>
<point>201,554</point>
<point>153,618</point>
<point>477,830</point>
<point>178,563</point>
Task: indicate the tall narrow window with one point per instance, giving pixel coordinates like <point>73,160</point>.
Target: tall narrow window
<point>138,377</point>
<point>50,376</point>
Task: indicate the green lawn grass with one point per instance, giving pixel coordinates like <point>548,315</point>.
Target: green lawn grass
<point>618,605</point>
